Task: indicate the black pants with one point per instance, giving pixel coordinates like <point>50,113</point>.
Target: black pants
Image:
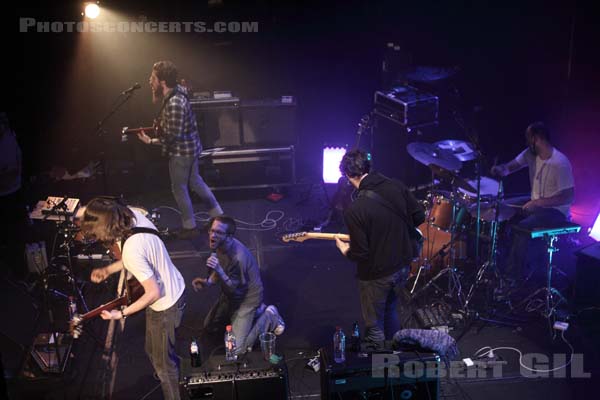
<point>378,301</point>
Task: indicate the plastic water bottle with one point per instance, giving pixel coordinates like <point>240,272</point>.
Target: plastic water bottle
<point>72,307</point>
<point>339,345</point>
<point>194,354</point>
<point>230,347</point>
<point>355,339</point>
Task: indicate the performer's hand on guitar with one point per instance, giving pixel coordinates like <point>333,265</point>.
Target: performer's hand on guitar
<point>144,138</point>
<point>99,275</point>
<point>344,247</point>
<point>112,314</point>
<point>199,283</point>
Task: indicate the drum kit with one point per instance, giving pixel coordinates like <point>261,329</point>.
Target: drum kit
<point>460,212</point>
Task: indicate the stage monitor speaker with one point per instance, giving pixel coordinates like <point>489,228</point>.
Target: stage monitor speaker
<point>408,375</point>
<point>249,378</point>
<point>269,123</point>
<point>219,127</point>
<point>587,276</point>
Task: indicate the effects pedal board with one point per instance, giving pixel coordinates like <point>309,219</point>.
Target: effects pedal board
<point>429,317</point>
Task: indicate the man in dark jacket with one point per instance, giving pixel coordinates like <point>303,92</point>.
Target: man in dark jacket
<point>380,242</point>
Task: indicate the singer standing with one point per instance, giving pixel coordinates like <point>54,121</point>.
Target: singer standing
<point>236,271</point>
<point>180,141</point>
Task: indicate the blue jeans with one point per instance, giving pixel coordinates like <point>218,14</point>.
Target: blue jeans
<point>160,346</point>
<point>184,175</point>
<point>240,317</point>
<point>378,301</point>
<point>524,251</point>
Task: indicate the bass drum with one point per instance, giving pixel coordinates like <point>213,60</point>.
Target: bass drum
<point>437,251</point>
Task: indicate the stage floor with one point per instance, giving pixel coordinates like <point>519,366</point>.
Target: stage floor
<point>315,289</point>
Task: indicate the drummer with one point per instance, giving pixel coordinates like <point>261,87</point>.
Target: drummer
<point>552,190</point>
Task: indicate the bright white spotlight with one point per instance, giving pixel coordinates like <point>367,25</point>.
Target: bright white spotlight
<point>332,156</point>
<point>92,10</point>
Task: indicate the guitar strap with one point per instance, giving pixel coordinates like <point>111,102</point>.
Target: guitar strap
<point>376,197</point>
<point>135,231</point>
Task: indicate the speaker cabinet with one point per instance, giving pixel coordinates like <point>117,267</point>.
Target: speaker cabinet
<point>587,276</point>
<point>219,126</point>
<point>249,168</point>
<point>377,375</point>
<point>250,378</point>
<point>269,123</point>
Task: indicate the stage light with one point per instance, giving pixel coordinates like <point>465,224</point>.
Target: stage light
<point>595,231</point>
<point>332,156</point>
<point>92,10</point>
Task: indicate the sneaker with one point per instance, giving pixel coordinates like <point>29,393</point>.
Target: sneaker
<point>280,327</point>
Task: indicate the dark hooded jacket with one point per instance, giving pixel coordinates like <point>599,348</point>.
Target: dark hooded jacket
<point>379,238</point>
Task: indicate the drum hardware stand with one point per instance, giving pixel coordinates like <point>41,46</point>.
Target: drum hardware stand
<point>550,304</point>
<point>454,279</point>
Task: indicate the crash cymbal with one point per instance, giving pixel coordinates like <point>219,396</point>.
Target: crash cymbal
<point>462,150</point>
<point>451,178</point>
<point>428,154</point>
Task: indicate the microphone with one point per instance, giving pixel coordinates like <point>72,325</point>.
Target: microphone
<point>131,89</point>
<point>213,253</point>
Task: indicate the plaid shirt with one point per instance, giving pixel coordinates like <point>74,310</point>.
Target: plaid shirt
<point>178,123</point>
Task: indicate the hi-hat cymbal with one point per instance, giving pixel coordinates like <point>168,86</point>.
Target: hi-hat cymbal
<point>452,178</point>
<point>462,150</point>
<point>428,154</point>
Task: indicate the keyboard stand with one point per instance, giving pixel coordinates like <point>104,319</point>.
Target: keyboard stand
<point>553,297</point>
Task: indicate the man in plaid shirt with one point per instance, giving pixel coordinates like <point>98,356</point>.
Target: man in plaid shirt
<point>180,140</point>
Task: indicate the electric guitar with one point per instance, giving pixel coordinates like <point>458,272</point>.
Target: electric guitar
<point>153,131</point>
<point>134,291</point>
<point>417,239</point>
<point>302,236</point>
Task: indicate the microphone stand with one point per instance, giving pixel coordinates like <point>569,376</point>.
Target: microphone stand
<point>121,99</point>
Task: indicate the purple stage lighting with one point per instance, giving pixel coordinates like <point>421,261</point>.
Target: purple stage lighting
<point>595,231</point>
<point>332,156</point>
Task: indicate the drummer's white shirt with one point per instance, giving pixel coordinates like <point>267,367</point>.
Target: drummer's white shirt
<point>548,177</point>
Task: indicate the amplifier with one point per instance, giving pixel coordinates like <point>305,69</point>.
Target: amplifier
<point>249,378</point>
<point>248,168</point>
<point>407,106</point>
<point>409,375</point>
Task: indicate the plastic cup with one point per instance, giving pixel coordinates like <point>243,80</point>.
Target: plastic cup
<point>267,344</point>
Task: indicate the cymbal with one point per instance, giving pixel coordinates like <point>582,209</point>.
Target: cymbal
<point>488,211</point>
<point>452,178</point>
<point>428,154</point>
<point>489,187</point>
<point>462,150</point>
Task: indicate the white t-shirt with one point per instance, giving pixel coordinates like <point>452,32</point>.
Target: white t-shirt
<point>548,177</point>
<point>144,256</point>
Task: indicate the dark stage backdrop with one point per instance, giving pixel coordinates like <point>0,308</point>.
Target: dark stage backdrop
<point>517,63</point>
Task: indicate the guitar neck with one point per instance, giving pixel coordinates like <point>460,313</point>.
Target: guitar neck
<point>108,306</point>
<point>137,130</point>
<point>327,236</point>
